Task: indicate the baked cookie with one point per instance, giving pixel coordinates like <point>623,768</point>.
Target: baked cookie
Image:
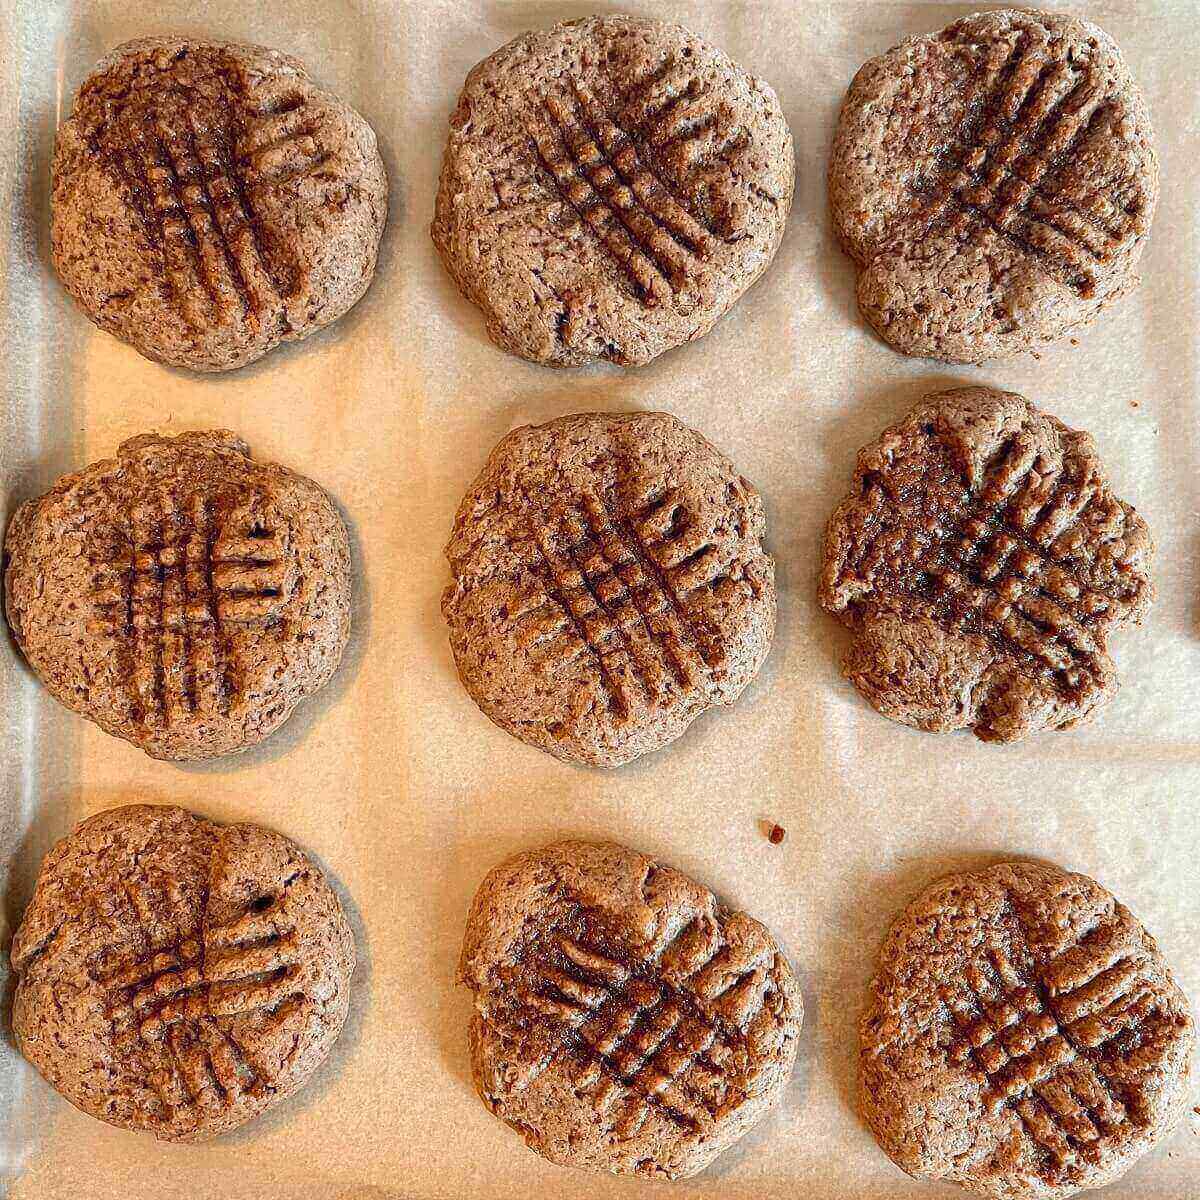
<point>209,201</point>
<point>178,976</point>
<point>1023,1037</point>
<point>181,595</point>
<point>610,187</point>
<point>624,1020</point>
<point>994,183</point>
<point>982,561</point>
<point>609,585</point>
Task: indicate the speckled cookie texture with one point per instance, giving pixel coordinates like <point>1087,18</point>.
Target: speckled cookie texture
<point>982,562</point>
<point>609,584</point>
<point>1023,1037</point>
<point>610,187</point>
<point>177,976</point>
<point>210,201</point>
<point>624,1020</point>
<point>181,595</point>
<point>994,183</point>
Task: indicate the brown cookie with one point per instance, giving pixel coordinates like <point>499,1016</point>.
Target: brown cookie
<point>178,976</point>
<point>1023,1037</point>
<point>995,184</point>
<point>609,584</point>
<point>610,187</point>
<point>210,201</point>
<point>982,561</point>
<point>624,1020</point>
<point>180,595</point>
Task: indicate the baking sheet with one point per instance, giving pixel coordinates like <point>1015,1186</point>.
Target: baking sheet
<point>408,795</point>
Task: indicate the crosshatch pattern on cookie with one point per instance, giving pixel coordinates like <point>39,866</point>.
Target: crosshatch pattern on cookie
<point>616,585</point>
<point>185,1004</point>
<point>1030,557</point>
<point>647,169</point>
<point>194,163</point>
<point>1045,1040</point>
<point>666,1034</point>
<point>174,584</point>
<point>1028,114</point>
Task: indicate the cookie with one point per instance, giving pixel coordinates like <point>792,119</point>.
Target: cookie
<point>1023,1037</point>
<point>994,183</point>
<point>181,595</point>
<point>610,187</point>
<point>624,1020</point>
<point>609,585</point>
<point>209,201</point>
<point>982,561</point>
<point>177,976</point>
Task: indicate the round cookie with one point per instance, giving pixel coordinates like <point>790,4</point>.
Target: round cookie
<point>610,187</point>
<point>624,1020</point>
<point>209,201</point>
<point>994,182</point>
<point>1023,1037</point>
<point>609,585</point>
<point>178,976</point>
<point>181,595</point>
<point>982,561</point>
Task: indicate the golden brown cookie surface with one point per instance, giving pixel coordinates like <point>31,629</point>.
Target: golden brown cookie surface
<point>610,187</point>
<point>624,1020</point>
<point>210,201</point>
<point>982,560</point>
<point>1023,1037</point>
<point>609,584</point>
<point>181,595</point>
<point>995,183</point>
<point>178,976</point>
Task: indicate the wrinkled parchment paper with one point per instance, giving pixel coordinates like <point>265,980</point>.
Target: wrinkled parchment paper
<point>400,787</point>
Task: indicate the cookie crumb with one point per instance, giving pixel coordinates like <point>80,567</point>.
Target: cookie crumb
<point>776,835</point>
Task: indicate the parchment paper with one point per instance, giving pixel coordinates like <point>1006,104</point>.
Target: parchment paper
<point>408,795</point>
